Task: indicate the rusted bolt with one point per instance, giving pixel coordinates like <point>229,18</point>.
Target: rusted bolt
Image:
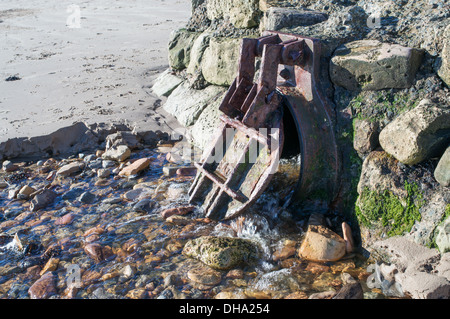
<point>285,74</point>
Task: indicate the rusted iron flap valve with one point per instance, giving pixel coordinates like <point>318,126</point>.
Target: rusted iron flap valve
<point>241,159</point>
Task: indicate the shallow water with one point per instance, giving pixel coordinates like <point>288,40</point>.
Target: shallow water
<point>144,258</point>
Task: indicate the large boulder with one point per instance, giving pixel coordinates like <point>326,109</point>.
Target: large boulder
<point>241,13</point>
<point>166,83</point>
<point>373,65</point>
<point>180,44</point>
<point>418,134</point>
<point>444,70</point>
<point>220,61</point>
<point>206,125</point>
<point>186,103</point>
<point>279,18</point>
<point>442,171</point>
<point>221,253</point>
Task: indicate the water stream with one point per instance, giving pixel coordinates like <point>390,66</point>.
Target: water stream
<point>142,256</point>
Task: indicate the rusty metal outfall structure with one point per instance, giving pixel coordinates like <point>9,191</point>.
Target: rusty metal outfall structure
<point>238,164</point>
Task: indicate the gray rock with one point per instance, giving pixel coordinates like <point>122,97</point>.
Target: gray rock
<point>186,104</point>
<point>418,134</point>
<point>444,70</point>
<point>42,200</point>
<point>220,61</point>
<point>87,198</point>
<point>206,125</point>
<point>198,48</point>
<point>414,264</point>
<point>166,83</point>
<point>241,13</point>
<point>119,153</point>
<point>373,65</point>
<point>278,18</point>
<point>442,171</point>
<point>123,138</point>
<point>365,137</point>
<point>423,232</point>
<point>70,169</point>
<point>443,236</point>
<point>180,44</point>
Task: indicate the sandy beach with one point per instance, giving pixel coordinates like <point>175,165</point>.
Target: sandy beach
<point>55,73</point>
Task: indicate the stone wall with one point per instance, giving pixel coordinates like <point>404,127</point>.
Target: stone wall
<point>385,68</point>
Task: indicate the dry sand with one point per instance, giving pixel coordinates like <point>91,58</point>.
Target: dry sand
<point>100,72</point>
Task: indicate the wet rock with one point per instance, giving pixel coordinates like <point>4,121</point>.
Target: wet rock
<point>119,153</point>
<point>205,276</point>
<point>442,171</point>
<point>66,219</point>
<point>87,198</point>
<point>104,173</point>
<point>44,287</point>
<point>351,289</point>
<point>26,191</point>
<point>323,295</point>
<point>51,265</point>
<point>187,171</point>
<point>43,199</point>
<point>321,244</point>
<point>276,18</point>
<point>3,185</point>
<point>72,193</point>
<point>70,169</point>
<point>177,211</point>
<point>97,252</point>
<point>417,135</point>
<point>221,252</point>
<point>287,250</point>
<point>136,167</point>
<point>372,65</point>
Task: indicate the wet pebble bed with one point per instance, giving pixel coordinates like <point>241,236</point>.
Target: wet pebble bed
<point>102,235</point>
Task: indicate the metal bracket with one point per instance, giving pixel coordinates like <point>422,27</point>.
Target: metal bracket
<point>240,161</point>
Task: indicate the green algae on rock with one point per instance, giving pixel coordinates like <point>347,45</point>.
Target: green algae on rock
<point>221,252</point>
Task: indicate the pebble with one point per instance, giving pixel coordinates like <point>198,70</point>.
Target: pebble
<point>205,276</point>
<point>87,198</point>
<point>177,211</point>
<point>103,173</point>
<point>3,185</point>
<point>44,287</point>
<point>42,200</point>
<point>136,167</point>
<point>9,166</point>
<point>70,169</point>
